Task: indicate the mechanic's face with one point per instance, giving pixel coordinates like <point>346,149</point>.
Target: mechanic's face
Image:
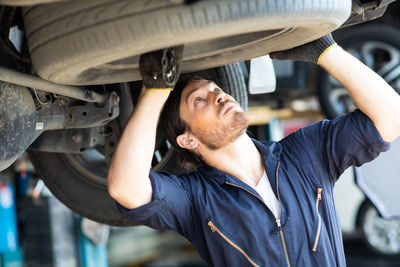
<point>214,117</point>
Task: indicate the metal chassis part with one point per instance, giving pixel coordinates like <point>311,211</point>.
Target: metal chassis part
<point>21,122</point>
<point>362,12</point>
<point>70,140</point>
<point>61,115</point>
<point>27,80</point>
<point>83,127</point>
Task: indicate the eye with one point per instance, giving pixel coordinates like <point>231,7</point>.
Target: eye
<point>197,100</point>
<point>216,89</point>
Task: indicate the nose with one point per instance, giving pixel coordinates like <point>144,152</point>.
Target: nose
<point>219,97</point>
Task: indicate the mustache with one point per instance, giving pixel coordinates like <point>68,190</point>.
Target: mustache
<point>222,105</point>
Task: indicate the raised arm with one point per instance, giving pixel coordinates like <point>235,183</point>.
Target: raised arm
<point>128,176</point>
<point>372,95</point>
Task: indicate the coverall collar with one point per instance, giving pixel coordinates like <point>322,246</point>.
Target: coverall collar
<point>270,154</point>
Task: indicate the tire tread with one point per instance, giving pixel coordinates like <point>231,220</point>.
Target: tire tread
<point>64,37</point>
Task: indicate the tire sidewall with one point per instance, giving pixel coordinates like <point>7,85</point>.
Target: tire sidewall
<point>364,208</point>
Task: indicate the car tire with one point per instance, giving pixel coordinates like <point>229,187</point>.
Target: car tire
<point>381,43</point>
<point>26,2</point>
<point>79,180</point>
<point>381,236</point>
<point>99,41</point>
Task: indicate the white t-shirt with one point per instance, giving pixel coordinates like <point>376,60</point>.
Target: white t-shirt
<point>264,189</point>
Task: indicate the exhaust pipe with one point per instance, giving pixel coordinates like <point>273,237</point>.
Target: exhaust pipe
<point>23,79</point>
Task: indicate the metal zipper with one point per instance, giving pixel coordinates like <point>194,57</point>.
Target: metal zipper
<point>215,229</point>
<point>319,198</point>
<point>277,220</point>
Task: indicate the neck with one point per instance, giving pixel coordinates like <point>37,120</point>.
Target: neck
<point>240,159</point>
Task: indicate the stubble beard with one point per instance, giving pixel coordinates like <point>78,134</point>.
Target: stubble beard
<point>221,135</point>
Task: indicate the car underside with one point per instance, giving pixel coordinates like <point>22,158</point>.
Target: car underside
<point>69,76</point>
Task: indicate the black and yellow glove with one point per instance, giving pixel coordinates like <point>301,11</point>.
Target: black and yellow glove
<point>309,52</point>
<point>160,69</point>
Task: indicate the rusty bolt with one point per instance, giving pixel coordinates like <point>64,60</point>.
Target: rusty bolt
<point>77,138</point>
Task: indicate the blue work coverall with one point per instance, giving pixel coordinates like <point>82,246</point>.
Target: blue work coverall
<point>229,224</point>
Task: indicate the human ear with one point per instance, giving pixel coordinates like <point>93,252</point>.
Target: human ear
<point>186,140</point>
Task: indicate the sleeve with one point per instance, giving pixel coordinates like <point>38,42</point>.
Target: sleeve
<point>170,207</point>
<point>348,140</point>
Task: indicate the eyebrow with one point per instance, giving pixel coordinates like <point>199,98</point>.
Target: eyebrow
<point>192,91</point>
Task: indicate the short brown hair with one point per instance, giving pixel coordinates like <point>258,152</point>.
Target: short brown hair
<point>174,125</point>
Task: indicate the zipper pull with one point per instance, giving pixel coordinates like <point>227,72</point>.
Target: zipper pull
<point>278,222</point>
<point>319,191</point>
<point>213,228</point>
